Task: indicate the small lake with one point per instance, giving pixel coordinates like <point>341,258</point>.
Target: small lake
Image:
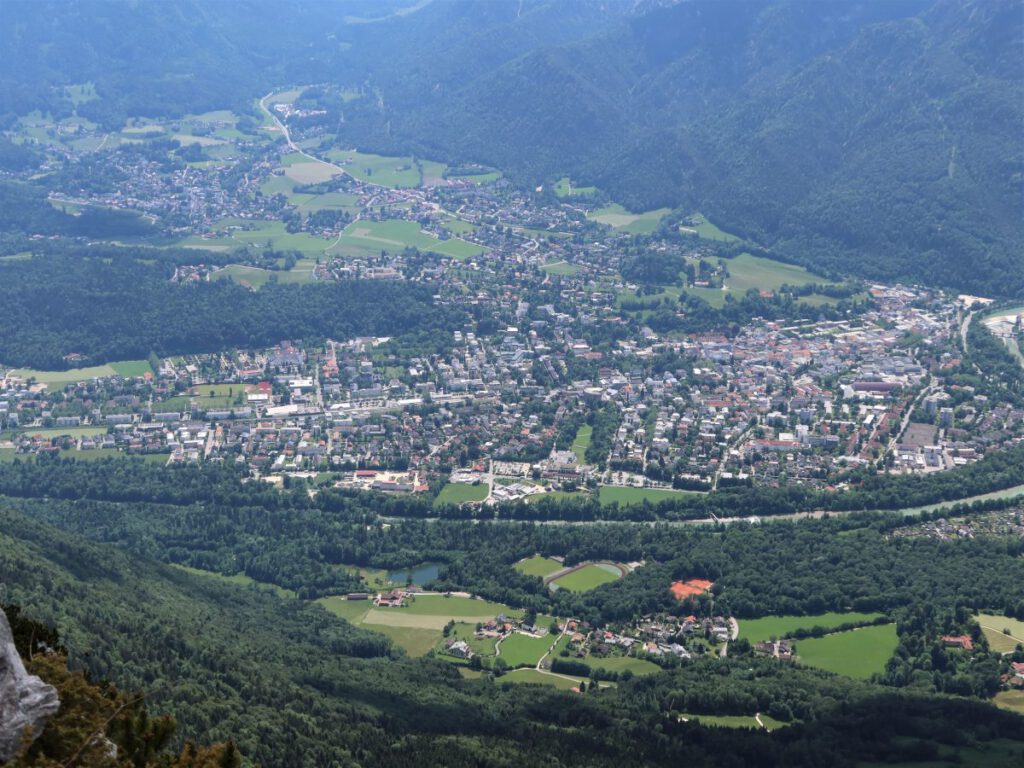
<point>418,574</point>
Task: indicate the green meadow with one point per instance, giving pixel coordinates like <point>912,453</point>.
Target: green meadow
<point>857,653</point>
<point>623,663</point>
<point>520,650</point>
<point>759,630</point>
<point>1003,634</point>
<point>624,496</point>
<point>582,442</point>
<point>561,268</point>
<point>125,368</point>
<point>705,229</point>
<point>394,172</point>
<point>539,678</point>
<point>368,237</point>
<point>616,216</point>
<point>564,188</point>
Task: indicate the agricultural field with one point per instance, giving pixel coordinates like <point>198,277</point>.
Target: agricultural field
<point>857,653</point>
<point>999,641</point>
<point>520,650</point>
<point>582,442</point>
<point>708,231</point>
<point>460,493</point>
<point>625,496</point>
<point>538,566</point>
<point>455,607</point>
<point>588,577</point>
<point>351,610</point>
<point>125,368</point>
<point>302,170</point>
<point>747,271</point>
<point>372,237</point>
<point>617,217</point>
<point>564,188</point>
<point>760,630</point>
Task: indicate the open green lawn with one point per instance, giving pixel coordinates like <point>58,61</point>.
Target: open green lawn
<point>586,578</point>
<point>533,676</point>
<point>460,493</point>
<point>564,188</point>
<point>520,650</point>
<point>467,631</point>
<point>416,642</point>
<point>747,271</point>
<point>538,566</point>
<point>46,434</point>
<point>394,172</point>
<point>759,630</point>
<point>622,663</point>
<point>454,606</point>
<point>124,368</point>
<point>582,442</point>
<point>561,269</point>
<point>857,653</point>
<point>993,625</point>
<point>609,494</point>
<point>476,178</point>
<point>634,223</point>
<point>705,229</point>
<point>372,237</point>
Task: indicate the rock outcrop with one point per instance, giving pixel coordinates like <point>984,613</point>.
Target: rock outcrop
<point>26,702</point>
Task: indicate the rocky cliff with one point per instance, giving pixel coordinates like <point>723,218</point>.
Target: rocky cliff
<point>26,702</point>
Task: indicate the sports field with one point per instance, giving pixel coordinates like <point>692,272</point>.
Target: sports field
<point>857,653</point>
<point>395,235</point>
<point>588,577</point>
<point>625,496</point>
<point>634,223</point>
<point>460,493</point>
<point>538,566</point>
<point>125,368</point>
<point>561,269</point>
<point>759,630</point>
<point>993,625</point>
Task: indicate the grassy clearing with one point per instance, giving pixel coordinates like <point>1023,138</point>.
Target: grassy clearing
<point>634,223</point>
<point>582,442</point>
<point>460,493</point>
<point>239,579</point>
<point>586,578</point>
<point>747,271</point>
<point>735,721</point>
<point>609,494</point>
<point>858,653</point>
<point>538,566</point>
<point>535,677</point>
<point>415,642</point>
<point>372,237</point>
<point>521,650</point>
<point>353,611</point>
<point>759,630</point>
<point>564,188</point>
<point>993,625</point>
<point>705,229</point>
